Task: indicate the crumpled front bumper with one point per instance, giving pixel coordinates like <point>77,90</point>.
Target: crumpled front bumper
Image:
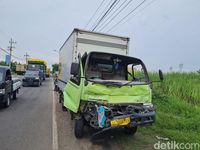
<point>29,82</point>
<point>137,119</point>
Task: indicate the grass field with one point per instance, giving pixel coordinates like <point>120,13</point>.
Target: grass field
<point>177,100</point>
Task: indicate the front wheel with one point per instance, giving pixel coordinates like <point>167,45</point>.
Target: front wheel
<point>61,100</point>
<point>78,129</point>
<point>7,103</point>
<point>15,95</point>
<point>63,107</point>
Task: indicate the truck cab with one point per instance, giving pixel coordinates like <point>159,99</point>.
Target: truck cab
<point>5,85</point>
<point>36,64</point>
<point>109,91</point>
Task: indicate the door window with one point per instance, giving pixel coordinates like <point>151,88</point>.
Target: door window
<point>8,75</point>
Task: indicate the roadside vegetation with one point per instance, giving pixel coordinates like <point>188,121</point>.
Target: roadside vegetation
<point>177,100</point>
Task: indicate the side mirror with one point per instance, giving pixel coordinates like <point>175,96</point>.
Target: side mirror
<point>74,69</point>
<point>161,75</point>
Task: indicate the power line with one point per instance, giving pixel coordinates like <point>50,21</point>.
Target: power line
<point>104,15</point>
<point>17,57</point>
<point>107,6</point>
<point>12,54</point>
<point>126,16</point>
<point>94,13</point>
<point>4,50</point>
<point>116,14</point>
<point>140,10</point>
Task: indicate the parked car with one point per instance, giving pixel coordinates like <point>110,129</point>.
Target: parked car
<point>32,78</point>
<point>8,87</point>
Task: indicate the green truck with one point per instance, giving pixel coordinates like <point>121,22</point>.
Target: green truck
<point>102,86</point>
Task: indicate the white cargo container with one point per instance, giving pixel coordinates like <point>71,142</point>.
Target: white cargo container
<point>81,41</point>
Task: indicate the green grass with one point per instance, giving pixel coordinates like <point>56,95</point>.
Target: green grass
<point>184,86</point>
<point>177,100</point>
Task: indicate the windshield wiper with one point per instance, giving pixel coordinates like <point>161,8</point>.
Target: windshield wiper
<point>139,83</point>
<point>127,83</point>
<point>105,82</point>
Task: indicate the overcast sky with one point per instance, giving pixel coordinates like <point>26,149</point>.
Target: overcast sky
<point>163,34</point>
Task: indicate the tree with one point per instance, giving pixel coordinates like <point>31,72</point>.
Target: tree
<point>2,63</point>
<point>55,67</point>
<point>13,66</point>
<point>198,71</point>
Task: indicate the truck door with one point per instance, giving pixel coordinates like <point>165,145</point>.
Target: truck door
<point>8,82</point>
<point>72,91</point>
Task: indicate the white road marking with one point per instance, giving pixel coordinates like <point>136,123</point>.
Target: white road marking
<point>54,124</point>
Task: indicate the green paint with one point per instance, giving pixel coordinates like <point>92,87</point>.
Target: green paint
<point>116,95</point>
<point>105,94</point>
<point>99,93</point>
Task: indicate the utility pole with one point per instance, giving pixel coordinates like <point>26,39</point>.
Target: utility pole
<point>11,49</point>
<point>26,59</point>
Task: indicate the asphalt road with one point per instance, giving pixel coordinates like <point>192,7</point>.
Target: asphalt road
<point>27,123</point>
<point>35,121</point>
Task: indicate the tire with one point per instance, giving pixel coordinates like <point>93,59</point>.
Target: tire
<point>7,103</point>
<point>78,128</point>
<point>63,107</point>
<point>71,115</point>
<point>56,88</point>
<point>130,130</point>
<point>15,95</point>
<point>61,98</point>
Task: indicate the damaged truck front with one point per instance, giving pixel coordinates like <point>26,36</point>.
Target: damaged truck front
<point>109,91</point>
<point>101,85</point>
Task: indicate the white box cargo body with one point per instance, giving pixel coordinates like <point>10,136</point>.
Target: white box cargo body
<point>81,41</point>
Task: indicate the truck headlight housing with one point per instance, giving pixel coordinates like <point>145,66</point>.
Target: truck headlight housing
<point>2,91</point>
<point>149,106</point>
<point>37,78</point>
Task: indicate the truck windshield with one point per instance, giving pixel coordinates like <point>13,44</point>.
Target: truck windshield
<point>115,69</point>
<point>31,74</point>
<point>34,67</point>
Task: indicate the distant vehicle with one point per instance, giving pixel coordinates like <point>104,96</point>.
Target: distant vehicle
<point>101,85</point>
<point>32,78</point>
<point>8,87</point>
<point>48,72</point>
<point>20,69</point>
<point>36,64</point>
